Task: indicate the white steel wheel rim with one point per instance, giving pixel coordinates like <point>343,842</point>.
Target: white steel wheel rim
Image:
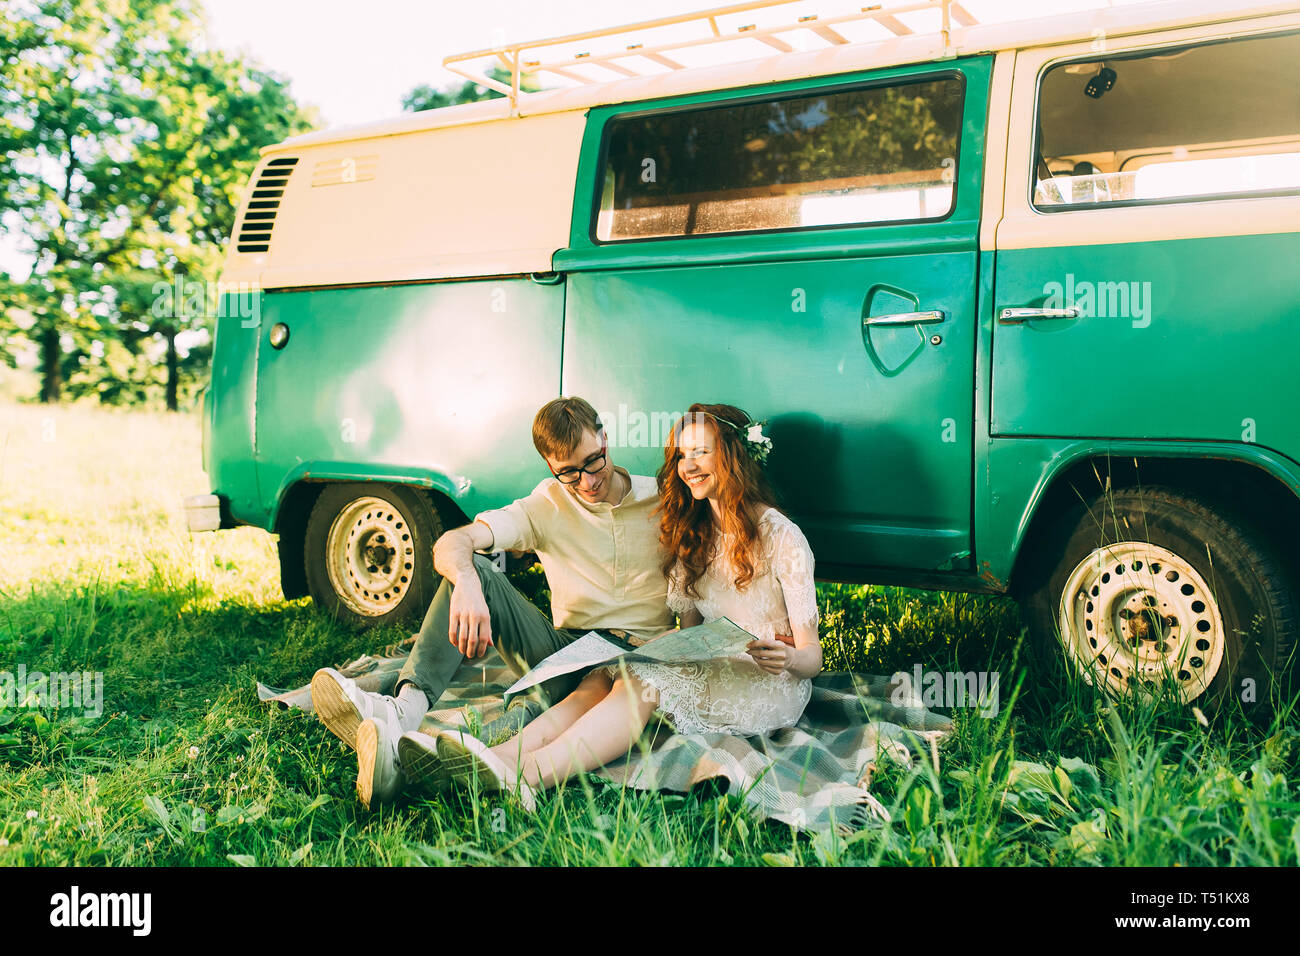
<point>1134,615</point>
<point>370,556</point>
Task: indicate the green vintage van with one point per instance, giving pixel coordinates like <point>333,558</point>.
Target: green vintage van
<point>1021,302</point>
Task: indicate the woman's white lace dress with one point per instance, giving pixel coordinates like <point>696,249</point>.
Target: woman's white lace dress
<point>733,694</point>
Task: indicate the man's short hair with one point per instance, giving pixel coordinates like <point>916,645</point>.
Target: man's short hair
<point>559,425</point>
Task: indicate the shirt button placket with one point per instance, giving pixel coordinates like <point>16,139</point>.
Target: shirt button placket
<point>620,547</point>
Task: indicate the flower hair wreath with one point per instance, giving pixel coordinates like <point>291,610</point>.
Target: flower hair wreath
<point>756,443</point>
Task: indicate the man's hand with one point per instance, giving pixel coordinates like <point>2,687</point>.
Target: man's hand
<point>638,641</point>
<point>470,628</point>
<point>770,653</point>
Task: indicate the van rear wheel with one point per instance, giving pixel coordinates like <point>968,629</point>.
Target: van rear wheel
<point>369,553</point>
<point>1141,589</point>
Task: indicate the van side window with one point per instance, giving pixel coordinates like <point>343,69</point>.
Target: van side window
<point>883,154</point>
<point>1174,124</point>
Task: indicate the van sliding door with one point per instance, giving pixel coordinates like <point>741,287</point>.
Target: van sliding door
<point>808,253</point>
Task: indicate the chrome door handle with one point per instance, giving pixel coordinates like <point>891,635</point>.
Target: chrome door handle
<point>1018,316</point>
<point>904,318</point>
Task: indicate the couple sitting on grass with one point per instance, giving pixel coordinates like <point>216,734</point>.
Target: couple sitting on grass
<point>620,551</point>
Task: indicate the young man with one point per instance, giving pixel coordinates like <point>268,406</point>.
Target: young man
<point>594,530</point>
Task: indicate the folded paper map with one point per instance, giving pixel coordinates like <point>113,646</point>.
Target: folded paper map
<point>720,638</point>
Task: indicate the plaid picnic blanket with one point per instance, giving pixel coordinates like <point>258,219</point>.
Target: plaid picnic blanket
<point>813,776</point>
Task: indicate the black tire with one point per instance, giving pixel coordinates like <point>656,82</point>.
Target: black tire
<point>363,523</point>
<point>1220,616</point>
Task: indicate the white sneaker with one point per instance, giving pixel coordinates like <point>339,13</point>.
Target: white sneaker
<point>467,759</point>
<point>379,772</point>
<point>418,754</point>
<point>342,705</point>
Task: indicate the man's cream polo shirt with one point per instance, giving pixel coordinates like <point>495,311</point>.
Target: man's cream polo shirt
<point>601,560</point>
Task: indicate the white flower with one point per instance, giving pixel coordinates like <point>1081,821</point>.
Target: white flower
<point>755,433</point>
<point>32,814</point>
<point>194,752</point>
<point>3,842</point>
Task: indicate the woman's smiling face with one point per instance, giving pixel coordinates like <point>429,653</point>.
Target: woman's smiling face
<point>696,467</point>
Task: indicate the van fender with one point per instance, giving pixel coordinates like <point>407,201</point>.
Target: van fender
<point>327,471</point>
<point>1026,470</point>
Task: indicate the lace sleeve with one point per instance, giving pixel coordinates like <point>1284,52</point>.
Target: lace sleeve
<point>793,565</point>
<point>679,602</point>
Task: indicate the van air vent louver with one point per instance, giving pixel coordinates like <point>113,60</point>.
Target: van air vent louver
<point>255,230</point>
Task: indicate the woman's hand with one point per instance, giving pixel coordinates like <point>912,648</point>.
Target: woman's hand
<point>770,653</point>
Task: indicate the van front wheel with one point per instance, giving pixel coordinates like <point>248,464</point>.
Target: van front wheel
<point>1141,588</point>
<point>369,553</point>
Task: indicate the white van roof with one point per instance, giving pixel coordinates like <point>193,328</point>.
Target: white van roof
<point>484,189</point>
<point>1104,21</point>
<point>489,199</point>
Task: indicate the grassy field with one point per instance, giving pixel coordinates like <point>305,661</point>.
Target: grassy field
<point>185,767</point>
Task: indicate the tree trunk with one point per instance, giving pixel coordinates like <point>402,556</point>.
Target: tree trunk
<point>173,369</point>
<point>51,376</point>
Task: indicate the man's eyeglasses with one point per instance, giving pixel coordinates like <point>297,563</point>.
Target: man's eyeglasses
<point>593,467</point>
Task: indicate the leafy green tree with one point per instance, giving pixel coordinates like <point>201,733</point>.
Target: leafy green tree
<point>45,122</point>
<point>232,110</point>
<point>126,146</point>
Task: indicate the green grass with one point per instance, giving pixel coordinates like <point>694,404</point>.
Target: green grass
<point>186,767</point>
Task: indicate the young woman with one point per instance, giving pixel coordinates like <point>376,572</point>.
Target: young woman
<point>728,553</point>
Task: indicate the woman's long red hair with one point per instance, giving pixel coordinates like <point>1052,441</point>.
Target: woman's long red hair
<point>687,529</point>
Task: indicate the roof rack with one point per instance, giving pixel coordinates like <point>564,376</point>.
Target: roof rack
<point>527,57</point>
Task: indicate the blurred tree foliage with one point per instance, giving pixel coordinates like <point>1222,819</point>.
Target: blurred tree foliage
<point>425,97</point>
<point>126,144</point>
